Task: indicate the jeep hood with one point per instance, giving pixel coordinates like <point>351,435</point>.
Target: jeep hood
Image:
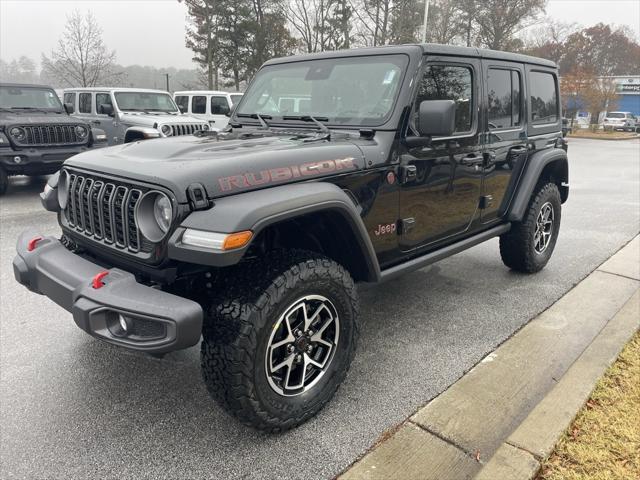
<point>150,119</point>
<point>37,118</point>
<point>225,165</point>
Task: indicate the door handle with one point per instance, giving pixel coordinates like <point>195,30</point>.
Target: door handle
<point>471,160</point>
<point>95,122</point>
<point>520,149</point>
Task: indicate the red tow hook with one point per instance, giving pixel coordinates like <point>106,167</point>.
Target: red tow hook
<point>32,243</point>
<point>97,279</point>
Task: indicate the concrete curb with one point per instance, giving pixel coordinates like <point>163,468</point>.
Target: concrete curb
<point>503,417</point>
<point>634,137</point>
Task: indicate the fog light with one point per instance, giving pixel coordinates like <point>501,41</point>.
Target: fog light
<point>123,323</point>
<point>17,159</point>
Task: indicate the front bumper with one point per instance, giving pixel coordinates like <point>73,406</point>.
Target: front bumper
<point>157,321</point>
<point>37,161</point>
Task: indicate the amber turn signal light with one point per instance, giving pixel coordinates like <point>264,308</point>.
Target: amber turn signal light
<point>237,240</point>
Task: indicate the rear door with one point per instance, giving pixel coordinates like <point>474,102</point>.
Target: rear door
<point>220,108</point>
<point>505,135</point>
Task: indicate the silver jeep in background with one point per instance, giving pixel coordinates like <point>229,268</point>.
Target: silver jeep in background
<point>131,114</point>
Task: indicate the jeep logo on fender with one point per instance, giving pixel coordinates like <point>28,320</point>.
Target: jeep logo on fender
<point>281,174</point>
<point>384,229</point>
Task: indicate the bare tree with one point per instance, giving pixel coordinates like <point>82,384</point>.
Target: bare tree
<point>499,20</point>
<point>81,59</point>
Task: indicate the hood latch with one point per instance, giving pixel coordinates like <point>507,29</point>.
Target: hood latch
<point>197,196</point>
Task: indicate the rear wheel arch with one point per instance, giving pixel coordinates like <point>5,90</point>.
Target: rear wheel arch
<point>550,165</point>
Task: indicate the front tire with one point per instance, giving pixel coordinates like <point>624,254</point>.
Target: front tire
<point>4,181</point>
<point>528,246</point>
<point>279,339</point>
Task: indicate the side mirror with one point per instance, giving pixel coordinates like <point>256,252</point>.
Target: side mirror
<point>437,118</point>
<point>182,109</point>
<point>68,107</point>
<point>105,109</point>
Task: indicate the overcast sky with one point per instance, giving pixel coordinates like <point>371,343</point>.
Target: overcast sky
<point>151,32</point>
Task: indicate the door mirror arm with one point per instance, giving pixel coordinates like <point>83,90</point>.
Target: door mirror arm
<point>414,141</point>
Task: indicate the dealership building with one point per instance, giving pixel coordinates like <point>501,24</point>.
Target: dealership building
<point>628,94</point>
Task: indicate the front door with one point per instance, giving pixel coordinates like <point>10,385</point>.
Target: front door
<point>441,187</point>
<point>106,122</point>
<point>506,137</point>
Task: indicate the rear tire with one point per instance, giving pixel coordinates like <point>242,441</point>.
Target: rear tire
<point>528,246</point>
<point>257,350</point>
<point>4,181</point>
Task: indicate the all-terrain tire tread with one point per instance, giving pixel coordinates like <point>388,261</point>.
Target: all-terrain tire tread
<point>230,338</point>
<point>517,244</point>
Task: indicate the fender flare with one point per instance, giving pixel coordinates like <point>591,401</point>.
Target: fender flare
<point>146,132</point>
<point>535,167</point>
<point>259,209</point>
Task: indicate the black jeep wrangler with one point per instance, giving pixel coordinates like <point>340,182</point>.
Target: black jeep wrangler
<point>36,132</point>
<point>336,168</point>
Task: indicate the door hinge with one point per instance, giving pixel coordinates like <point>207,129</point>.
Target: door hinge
<point>408,173</point>
<point>406,225</point>
<point>486,201</point>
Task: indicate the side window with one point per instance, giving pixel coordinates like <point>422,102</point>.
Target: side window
<point>199,104</point>
<point>102,99</point>
<point>219,105</point>
<point>503,106</point>
<point>544,97</point>
<point>84,103</point>
<point>449,82</point>
<point>70,98</point>
<point>183,103</point>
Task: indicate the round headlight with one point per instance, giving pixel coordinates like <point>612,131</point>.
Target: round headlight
<point>153,215</point>
<point>63,189</point>
<point>162,212</point>
<point>81,131</point>
<point>166,130</point>
<point>18,133</point>
<point>205,126</point>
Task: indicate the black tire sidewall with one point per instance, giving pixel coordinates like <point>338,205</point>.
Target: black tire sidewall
<point>4,181</point>
<point>549,193</point>
<point>321,392</point>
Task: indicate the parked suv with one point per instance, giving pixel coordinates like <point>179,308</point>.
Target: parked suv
<point>254,238</point>
<point>36,132</point>
<point>209,105</point>
<point>620,121</point>
<point>129,114</point>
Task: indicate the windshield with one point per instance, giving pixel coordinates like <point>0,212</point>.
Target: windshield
<point>235,98</point>
<point>29,98</point>
<point>145,102</point>
<point>346,91</point>
<point>616,115</point>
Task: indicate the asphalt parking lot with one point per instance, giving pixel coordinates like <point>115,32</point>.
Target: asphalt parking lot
<point>73,407</point>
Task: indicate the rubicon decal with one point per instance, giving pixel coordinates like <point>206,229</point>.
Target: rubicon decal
<point>281,174</point>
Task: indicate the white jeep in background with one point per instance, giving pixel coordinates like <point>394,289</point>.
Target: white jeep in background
<point>211,106</point>
<point>131,114</point>
<point>621,121</point>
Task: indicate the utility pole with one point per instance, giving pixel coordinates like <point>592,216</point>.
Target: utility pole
<point>167,76</point>
<point>426,16</point>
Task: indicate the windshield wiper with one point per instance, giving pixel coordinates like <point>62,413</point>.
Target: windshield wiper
<point>258,116</point>
<point>308,118</point>
<point>30,108</point>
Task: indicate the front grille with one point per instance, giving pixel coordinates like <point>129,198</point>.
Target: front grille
<point>186,128</point>
<point>105,211</point>
<point>51,135</point>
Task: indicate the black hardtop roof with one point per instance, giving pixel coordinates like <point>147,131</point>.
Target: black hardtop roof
<point>426,48</point>
<point>29,85</point>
